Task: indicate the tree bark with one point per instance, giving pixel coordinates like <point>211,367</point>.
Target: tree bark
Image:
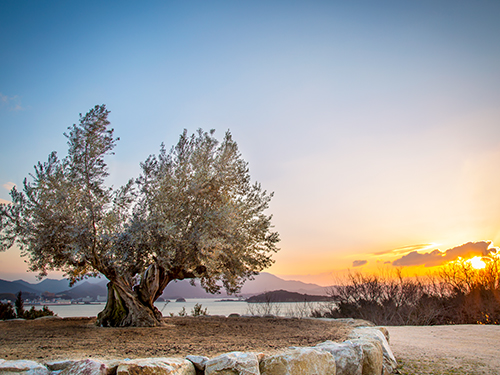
<point>127,307</point>
<point>134,307</point>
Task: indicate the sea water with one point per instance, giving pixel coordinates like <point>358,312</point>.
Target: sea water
<point>213,307</point>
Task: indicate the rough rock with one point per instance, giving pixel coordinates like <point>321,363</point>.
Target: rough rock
<point>156,366</point>
<point>23,367</point>
<point>198,361</point>
<point>59,365</point>
<point>377,334</point>
<point>234,363</point>
<point>86,367</point>
<point>373,357</point>
<point>385,331</point>
<point>113,364</point>
<point>260,356</point>
<point>348,356</point>
<point>299,361</point>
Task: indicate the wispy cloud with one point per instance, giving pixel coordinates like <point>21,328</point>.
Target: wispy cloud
<point>8,185</point>
<point>437,257</point>
<point>359,263</point>
<point>408,249</point>
<point>11,103</point>
<point>3,201</point>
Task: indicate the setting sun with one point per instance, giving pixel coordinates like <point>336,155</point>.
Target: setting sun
<point>476,263</point>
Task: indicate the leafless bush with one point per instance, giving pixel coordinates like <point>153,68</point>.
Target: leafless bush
<point>268,307</point>
<point>301,309</point>
<point>458,293</point>
<point>380,298</point>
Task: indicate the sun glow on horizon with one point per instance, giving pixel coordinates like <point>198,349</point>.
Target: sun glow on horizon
<point>476,263</point>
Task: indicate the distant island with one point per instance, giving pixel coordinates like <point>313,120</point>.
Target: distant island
<point>285,296</point>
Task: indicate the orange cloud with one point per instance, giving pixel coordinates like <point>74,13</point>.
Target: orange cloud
<point>407,249</point>
<point>437,257</point>
<point>359,263</point>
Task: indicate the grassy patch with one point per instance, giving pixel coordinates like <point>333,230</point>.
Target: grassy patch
<point>422,366</point>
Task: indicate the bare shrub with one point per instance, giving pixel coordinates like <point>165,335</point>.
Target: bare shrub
<point>266,308</point>
<point>380,298</point>
<point>301,309</point>
<point>292,310</point>
<point>476,291</point>
<point>198,310</point>
<point>457,294</point>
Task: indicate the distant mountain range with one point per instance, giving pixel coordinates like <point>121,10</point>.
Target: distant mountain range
<point>16,286</point>
<point>59,287</point>
<point>264,282</point>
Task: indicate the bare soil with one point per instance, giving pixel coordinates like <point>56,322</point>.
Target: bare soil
<point>453,349</point>
<point>78,338</point>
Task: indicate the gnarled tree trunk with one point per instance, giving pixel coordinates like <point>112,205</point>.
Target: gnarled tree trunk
<point>127,306</point>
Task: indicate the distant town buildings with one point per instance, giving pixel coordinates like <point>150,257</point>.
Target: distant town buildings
<point>48,300</point>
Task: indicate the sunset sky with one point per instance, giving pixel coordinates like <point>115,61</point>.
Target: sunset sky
<point>376,124</point>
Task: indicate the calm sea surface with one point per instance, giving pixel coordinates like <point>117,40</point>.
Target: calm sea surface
<point>213,306</point>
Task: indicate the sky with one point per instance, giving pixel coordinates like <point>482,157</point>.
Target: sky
<point>375,124</point>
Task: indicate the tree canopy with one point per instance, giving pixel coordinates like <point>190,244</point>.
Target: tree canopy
<point>192,213</point>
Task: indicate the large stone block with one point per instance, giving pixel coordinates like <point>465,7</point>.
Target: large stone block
<point>348,356</point>
<point>85,367</point>
<point>156,366</point>
<point>385,331</point>
<point>234,363</point>
<point>198,361</point>
<point>23,368</point>
<point>59,365</point>
<point>299,361</point>
<point>378,334</point>
<point>373,357</point>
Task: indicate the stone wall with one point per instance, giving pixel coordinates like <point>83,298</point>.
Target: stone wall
<point>365,352</point>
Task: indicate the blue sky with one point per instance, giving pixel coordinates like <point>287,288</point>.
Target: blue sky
<point>376,124</point>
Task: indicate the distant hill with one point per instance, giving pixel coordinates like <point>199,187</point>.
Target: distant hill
<point>263,282</point>
<point>47,285</point>
<point>285,296</point>
<point>59,287</point>
<point>16,286</point>
<point>86,289</point>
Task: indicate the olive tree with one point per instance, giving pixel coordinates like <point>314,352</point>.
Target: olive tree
<point>193,213</point>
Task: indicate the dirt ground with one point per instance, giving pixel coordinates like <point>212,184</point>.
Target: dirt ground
<point>78,338</point>
<point>424,350</point>
<point>453,349</point>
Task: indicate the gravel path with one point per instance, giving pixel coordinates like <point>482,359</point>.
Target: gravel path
<point>454,349</point>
